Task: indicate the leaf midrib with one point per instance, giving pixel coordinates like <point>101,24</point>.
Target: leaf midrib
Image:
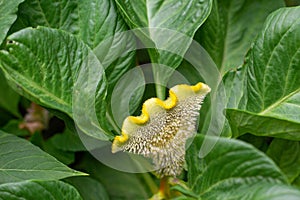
<point>52,96</point>
<point>283,36</point>
<point>211,187</point>
<point>279,102</point>
<point>37,170</point>
<point>43,13</point>
<point>234,178</point>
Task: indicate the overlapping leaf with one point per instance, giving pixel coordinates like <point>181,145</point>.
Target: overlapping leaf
<point>8,10</point>
<point>231,27</point>
<point>89,188</point>
<point>9,99</point>
<point>100,28</point>
<point>117,183</point>
<point>165,26</point>
<point>28,162</point>
<point>67,141</point>
<point>46,65</point>
<point>271,101</point>
<point>28,190</point>
<point>235,170</point>
<point>286,154</point>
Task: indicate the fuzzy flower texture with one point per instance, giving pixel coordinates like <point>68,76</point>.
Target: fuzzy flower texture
<point>161,131</point>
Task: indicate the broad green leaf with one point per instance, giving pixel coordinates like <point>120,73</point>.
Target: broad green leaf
<point>8,9</point>
<point>89,188</point>
<point>66,157</point>
<point>257,191</point>
<point>21,160</point>
<point>234,170</point>
<point>167,26</point>
<point>119,185</point>
<point>9,99</point>
<point>233,83</point>
<point>231,27</point>
<point>286,154</point>
<point>272,84</point>
<point>56,14</point>
<point>44,70</point>
<point>101,22</point>
<point>29,190</point>
<point>67,141</point>
<point>100,28</point>
<point>183,16</point>
<point>242,122</point>
<point>52,67</point>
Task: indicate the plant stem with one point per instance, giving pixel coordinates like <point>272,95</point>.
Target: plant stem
<point>159,84</point>
<point>164,187</point>
<point>151,184</point>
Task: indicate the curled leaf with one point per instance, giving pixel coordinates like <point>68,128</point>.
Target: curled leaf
<point>161,131</point>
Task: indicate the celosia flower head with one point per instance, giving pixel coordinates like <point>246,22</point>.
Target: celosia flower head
<point>161,131</point>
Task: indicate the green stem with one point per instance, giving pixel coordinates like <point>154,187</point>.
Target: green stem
<point>151,184</point>
<point>159,84</point>
<point>159,89</point>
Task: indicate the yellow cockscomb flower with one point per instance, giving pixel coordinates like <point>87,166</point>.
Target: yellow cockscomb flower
<point>161,131</point>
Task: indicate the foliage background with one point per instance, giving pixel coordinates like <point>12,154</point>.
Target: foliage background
<point>255,45</point>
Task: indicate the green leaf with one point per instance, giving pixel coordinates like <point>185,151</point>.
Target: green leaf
<point>67,141</point>
<point>183,16</point>
<point>47,72</point>
<point>246,122</point>
<point>28,190</point>
<point>167,26</point>
<point>258,191</point>
<point>286,154</point>
<point>233,84</point>
<point>232,170</point>
<point>8,9</point>
<point>56,14</point>
<point>271,101</point>
<point>259,142</point>
<point>38,66</point>
<point>127,95</point>
<point>100,28</point>
<point>92,27</point>
<point>89,188</point>
<point>21,160</point>
<point>66,157</point>
<point>230,28</point>
<point>9,99</point>
<point>119,185</point>
<point>13,127</point>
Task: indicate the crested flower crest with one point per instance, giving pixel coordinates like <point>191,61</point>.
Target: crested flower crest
<point>161,131</point>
